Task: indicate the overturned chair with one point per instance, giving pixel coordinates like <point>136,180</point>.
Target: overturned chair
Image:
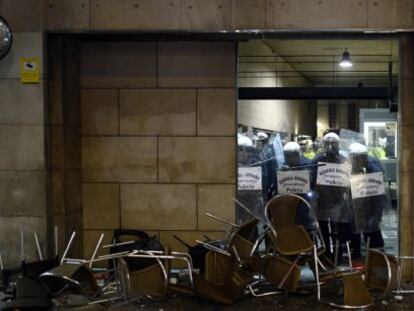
<point>228,265</point>
<point>292,235</point>
<point>78,276</point>
<point>21,284</point>
<point>298,241</point>
<point>225,289</point>
<point>381,272</point>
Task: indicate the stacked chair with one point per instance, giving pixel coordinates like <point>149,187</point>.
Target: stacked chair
<point>236,267</point>
<point>290,243</point>
<point>228,269</point>
<point>259,258</point>
<point>296,245</point>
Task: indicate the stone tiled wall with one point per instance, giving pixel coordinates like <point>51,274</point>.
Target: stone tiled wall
<point>22,137</point>
<point>228,14</point>
<point>158,138</point>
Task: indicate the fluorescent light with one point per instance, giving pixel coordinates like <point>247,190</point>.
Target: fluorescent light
<point>346,60</point>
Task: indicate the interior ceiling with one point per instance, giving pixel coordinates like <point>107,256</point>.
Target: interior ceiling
<point>318,61</point>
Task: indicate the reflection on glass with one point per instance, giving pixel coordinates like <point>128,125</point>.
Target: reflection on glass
<point>381,139</point>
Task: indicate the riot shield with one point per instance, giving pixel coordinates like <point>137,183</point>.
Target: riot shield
<point>250,190</point>
<point>332,188</point>
<point>296,181</point>
<point>368,189</point>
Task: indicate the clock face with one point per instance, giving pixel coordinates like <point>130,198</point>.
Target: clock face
<point>5,38</point>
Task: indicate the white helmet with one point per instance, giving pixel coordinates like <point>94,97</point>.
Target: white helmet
<point>291,146</point>
<point>331,136</point>
<point>262,135</point>
<point>244,141</point>
<point>357,148</point>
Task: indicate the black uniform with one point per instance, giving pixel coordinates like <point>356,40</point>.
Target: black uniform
<point>367,213</point>
<point>303,215</point>
<point>333,208</point>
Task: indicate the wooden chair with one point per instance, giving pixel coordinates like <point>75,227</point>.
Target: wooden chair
<point>291,243</point>
<point>223,291</point>
<point>381,271</point>
<point>355,292</point>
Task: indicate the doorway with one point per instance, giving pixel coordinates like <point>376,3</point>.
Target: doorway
<point>298,91</point>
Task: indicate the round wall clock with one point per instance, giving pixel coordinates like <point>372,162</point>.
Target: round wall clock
<point>6,38</point>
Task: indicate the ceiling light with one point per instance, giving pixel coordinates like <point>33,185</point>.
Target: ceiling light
<point>346,60</point>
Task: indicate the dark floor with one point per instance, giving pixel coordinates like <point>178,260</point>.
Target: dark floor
<point>258,304</point>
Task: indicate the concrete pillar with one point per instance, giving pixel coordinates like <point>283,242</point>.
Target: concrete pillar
<point>63,144</point>
<point>22,156</point>
<point>406,123</point>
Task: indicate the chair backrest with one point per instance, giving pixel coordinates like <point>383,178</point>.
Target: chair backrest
<point>356,294</point>
<point>244,238</point>
<point>248,230</point>
<point>293,240</point>
<point>34,269</point>
<point>282,273</point>
<point>381,271</point>
<point>218,268</point>
<point>74,277</point>
<point>142,241</point>
<point>148,281</point>
<point>281,211</point>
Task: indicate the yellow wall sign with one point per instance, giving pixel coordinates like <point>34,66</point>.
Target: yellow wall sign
<point>30,70</point>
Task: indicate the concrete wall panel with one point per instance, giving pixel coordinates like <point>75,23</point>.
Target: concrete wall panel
<point>316,14</point>
<point>216,200</point>
<point>22,134</point>
<point>99,112</point>
<point>133,66</point>
<point>23,194</point>
<point>119,159</point>
<point>10,227</point>
<point>197,159</point>
<point>197,64</point>
<point>390,13</point>
<point>249,14</point>
<point>23,15</point>
<point>158,207</point>
<point>21,103</point>
<point>101,208</point>
<point>158,112</point>
<point>212,15</point>
<point>135,14</point>
<point>27,45</point>
<point>216,112</point>
<point>22,147</point>
<point>67,14</point>
<point>206,15</point>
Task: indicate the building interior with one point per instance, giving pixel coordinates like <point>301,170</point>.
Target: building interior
<point>316,63</point>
